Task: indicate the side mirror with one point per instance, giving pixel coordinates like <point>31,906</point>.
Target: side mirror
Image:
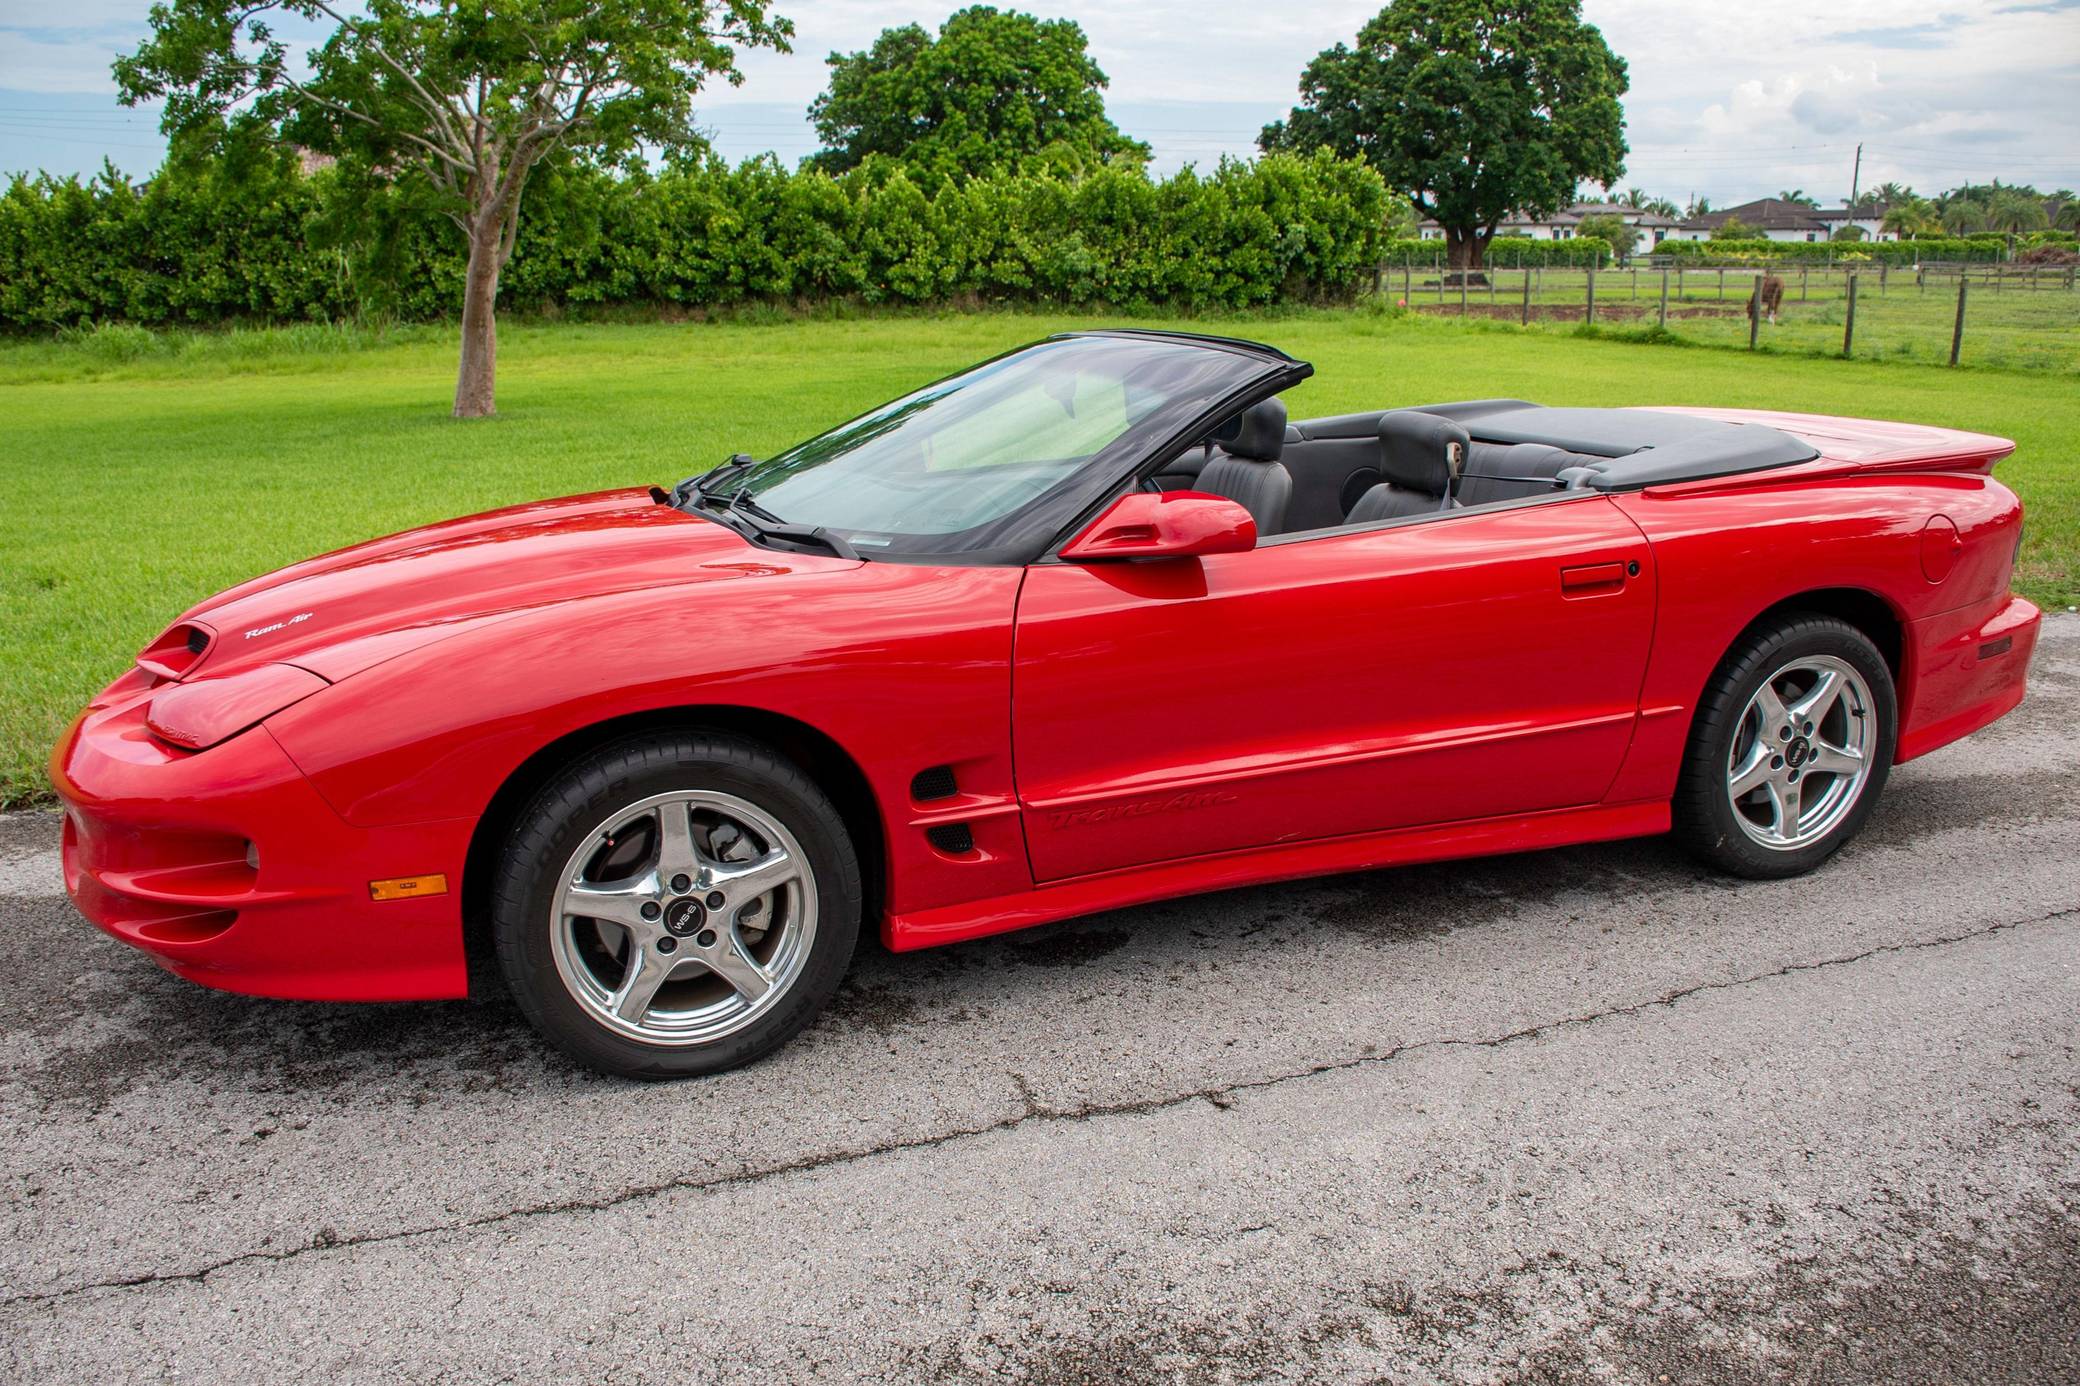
<point>1168,524</point>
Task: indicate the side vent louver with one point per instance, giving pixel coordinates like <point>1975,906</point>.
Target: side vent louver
<point>954,839</point>
<point>933,782</point>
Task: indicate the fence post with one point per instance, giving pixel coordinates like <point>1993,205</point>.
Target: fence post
<point>1408,279</point>
<point>1589,313</point>
<point>1722,283</point>
<point>1379,279</point>
<point>1679,280</point>
<point>1801,283</point>
<point>1882,265</point>
<point>1849,322</point>
<point>1754,312</point>
<point>1527,295</point>
<point>1664,298</point>
<point>1464,275</point>
<point>1957,332</point>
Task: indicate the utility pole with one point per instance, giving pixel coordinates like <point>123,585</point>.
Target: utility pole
<point>1856,177</point>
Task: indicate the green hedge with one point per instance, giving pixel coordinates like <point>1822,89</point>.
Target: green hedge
<point>1839,252</point>
<point>204,246</point>
<point>1504,252</point>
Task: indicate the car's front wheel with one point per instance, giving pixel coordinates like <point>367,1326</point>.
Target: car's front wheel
<point>1789,750</point>
<point>676,905</point>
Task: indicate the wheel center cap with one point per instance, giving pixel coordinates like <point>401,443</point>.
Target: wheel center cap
<point>684,917</point>
<point>1798,753</point>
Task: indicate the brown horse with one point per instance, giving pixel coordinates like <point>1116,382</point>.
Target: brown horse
<point>1768,298</point>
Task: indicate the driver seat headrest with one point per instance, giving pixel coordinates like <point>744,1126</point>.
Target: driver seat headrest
<point>1257,433</point>
<point>1422,452</point>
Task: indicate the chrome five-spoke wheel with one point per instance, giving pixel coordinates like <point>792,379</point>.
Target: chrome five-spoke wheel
<point>1790,746</point>
<point>679,902</point>
<point>683,916</point>
<point>1802,753</point>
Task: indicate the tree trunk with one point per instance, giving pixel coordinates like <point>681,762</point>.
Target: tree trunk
<point>1466,248</point>
<point>476,380</point>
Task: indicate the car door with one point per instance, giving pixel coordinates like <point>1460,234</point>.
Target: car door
<point>1454,667</point>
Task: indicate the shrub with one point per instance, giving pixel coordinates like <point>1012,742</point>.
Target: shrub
<point>1504,252</point>
<point>209,244</point>
<point>1825,252</point>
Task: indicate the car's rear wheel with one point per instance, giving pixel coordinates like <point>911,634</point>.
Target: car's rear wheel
<point>676,905</point>
<point>1790,749</point>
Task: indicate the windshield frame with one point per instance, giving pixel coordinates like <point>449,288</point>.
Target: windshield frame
<point>1027,531</point>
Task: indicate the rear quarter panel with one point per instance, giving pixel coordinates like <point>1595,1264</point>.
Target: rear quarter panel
<point>1727,553</point>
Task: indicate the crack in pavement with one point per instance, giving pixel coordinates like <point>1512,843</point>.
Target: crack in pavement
<point>1221,1097</point>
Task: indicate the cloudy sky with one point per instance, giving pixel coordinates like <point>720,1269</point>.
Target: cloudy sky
<point>1731,101</point>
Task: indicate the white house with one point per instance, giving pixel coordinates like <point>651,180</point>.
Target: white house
<point>1774,219</point>
<point>1565,225</point>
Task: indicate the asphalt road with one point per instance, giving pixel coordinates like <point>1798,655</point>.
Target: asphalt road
<point>1574,1115</point>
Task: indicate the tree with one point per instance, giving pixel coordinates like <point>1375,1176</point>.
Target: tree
<point>1698,207</point>
<point>1472,109</point>
<point>1797,198</point>
<point>460,100</point>
<point>1613,228</point>
<point>1908,217</point>
<point>1848,231</point>
<point>1733,229</point>
<point>996,89</point>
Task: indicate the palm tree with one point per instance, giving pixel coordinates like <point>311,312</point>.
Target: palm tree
<point>2013,210</point>
<point>1908,217</point>
<point>1699,206</point>
<point>1797,197</point>
<point>1962,216</point>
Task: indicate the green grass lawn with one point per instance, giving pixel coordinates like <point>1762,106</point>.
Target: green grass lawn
<point>138,478</point>
<point>2012,327</point>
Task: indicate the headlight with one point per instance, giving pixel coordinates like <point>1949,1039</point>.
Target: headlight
<point>199,715</point>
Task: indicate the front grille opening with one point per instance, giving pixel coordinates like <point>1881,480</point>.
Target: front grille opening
<point>954,839</point>
<point>934,782</point>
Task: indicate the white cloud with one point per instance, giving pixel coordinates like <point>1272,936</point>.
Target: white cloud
<point>1733,101</point>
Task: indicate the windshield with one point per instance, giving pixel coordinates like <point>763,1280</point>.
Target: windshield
<point>972,461</point>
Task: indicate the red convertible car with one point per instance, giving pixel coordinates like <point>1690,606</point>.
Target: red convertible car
<point>1090,624</point>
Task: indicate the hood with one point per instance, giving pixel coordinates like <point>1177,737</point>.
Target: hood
<point>340,613</point>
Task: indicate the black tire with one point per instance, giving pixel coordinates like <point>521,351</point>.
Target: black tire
<point>1704,815</point>
<point>570,806</point>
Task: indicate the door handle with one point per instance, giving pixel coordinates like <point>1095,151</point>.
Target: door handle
<point>1589,579</point>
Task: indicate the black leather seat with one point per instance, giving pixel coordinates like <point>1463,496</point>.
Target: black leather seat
<point>1245,468</point>
<point>1420,456</point>
<point>1513,471</point>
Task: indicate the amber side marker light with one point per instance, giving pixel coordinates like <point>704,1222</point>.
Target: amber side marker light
<point>407,887</point>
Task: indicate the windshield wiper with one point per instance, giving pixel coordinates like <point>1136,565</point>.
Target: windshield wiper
<point>744,501</point>
<point>704,483</point>
<point>754,521</point>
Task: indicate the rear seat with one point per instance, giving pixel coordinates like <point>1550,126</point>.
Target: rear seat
<point>1512,471</point>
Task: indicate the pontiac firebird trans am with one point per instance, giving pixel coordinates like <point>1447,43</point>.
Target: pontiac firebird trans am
<point>1090,624</point>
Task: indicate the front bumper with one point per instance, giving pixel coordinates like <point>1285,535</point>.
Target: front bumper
<point>1969,667</point>
<point>156,853</point>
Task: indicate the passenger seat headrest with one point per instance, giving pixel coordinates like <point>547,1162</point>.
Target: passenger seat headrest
<point>1257,433</point>
<point>1421,452</point>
